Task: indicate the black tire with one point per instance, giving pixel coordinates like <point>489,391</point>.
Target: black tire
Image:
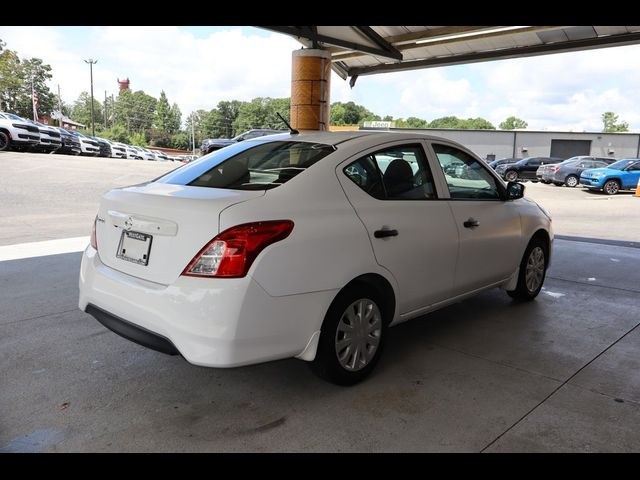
<point>572,181</point>
<point>522,291</point>
<point>4,142</point>
<point>611,187</point>
<point>326,364</point>
<point>511,176</point>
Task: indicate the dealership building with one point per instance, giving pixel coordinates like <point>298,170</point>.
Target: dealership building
<point>495,144</point>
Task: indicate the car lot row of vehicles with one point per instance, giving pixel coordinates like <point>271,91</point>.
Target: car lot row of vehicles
<point>18,133</point>
<point>596,173</point>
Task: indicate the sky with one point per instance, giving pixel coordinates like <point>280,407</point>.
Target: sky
<point>199,66</point>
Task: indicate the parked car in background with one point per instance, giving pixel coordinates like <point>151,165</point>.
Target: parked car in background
<point>49,138</point>
<point>211,144</point>
<point>160,155</point>
<point>568,172</point>
<point>621,175</point>
<point>88,146</point>
<point>118,150</point>
<point>524,169</point>
<point>256,285</point>
<point>17,133</point>
<point>105,147</point>
<point>133,153</point>
<point>494,164</point>
<point>70,143</point>
<point>545,172</point>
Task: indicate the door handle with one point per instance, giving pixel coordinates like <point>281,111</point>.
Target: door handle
<point>471,223</point>
<point>385,233</point>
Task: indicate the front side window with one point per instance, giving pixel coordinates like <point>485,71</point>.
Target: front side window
<point>250,166</point>
<point>634,167</point>
<point>396,173</point>
<point>465,176</point>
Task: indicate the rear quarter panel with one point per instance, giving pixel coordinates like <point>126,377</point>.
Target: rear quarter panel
<point>328,246</point>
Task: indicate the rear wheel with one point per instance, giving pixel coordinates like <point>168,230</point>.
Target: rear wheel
<point>611,187</point>
<point>533,269</point>
<point>4,141</point>
<point>352,337</point>
<point>511,176</point>
<point>571,181</point>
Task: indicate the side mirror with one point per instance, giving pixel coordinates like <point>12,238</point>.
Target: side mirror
<point>515,190</point>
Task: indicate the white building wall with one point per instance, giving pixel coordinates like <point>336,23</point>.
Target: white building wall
<point>537,143</point>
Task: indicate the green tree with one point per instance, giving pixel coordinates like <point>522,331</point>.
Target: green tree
<point>610,123</point>
<point>478,124</point>
<point>181,140</point>
<point>414,122</point>
<point>10,79</point>
<point>511,123</point>
<point>137,139</point>
<point>454,122</point>
<point>446,122</point>
<point>227,112</point>
<point>162,120</point>
<point>261,113</point>
<point>34,72</point>
<point>81,110</point>
<point>351,114</point>
<point>175,119</point>
<point>135,110</point>
<point>117,133</point>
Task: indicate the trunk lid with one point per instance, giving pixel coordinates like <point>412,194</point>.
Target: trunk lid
<point>180,220</point>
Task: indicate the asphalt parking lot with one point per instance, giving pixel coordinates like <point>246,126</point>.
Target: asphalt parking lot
<point>487,374</point>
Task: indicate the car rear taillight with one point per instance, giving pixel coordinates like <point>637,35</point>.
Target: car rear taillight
<point>554,169</point>
<point>231,253</point>
<point>94,240</point>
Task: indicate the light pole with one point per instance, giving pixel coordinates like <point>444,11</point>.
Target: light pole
<point>91,62</point>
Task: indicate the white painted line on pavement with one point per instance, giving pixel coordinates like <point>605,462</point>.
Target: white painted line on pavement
<point>40,249</point>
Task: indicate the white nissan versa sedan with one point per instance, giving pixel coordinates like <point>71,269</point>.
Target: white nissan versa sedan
<point>308,246</point>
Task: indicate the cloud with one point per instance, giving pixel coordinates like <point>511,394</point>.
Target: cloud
<point>196,73</point>
<point>563,91</point>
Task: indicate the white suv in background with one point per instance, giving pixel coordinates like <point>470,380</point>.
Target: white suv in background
<point>15,132</point>
<point>88,146</point>
<point>50,139</point>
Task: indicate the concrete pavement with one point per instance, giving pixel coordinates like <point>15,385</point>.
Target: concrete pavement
<point>487,374</point>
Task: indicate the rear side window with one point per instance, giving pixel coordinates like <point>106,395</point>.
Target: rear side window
<point>255,165</point>
<point>396,173</point>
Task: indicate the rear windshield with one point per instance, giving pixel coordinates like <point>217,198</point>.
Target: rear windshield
<point>249,165</point>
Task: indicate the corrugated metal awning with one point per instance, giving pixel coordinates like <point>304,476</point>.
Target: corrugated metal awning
<point>368,50</point>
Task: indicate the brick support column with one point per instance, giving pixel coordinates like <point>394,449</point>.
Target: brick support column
<point>310,87</point>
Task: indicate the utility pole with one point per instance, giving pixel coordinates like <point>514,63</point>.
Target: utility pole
<point>193,135</point>
<point>59,107</point>
<point>91,62</point>
<point>33,101</point>
<point>105,109</point>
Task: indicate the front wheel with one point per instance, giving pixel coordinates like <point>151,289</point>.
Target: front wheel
<point>352,337</point>
<point>4,141</point>
<point>511,176</point>
<point>611,187</point>
<point>533,269</point>
<point>571,181</point>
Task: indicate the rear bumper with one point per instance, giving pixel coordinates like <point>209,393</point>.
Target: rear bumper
<point>210,322</point>
<point>132,332</point>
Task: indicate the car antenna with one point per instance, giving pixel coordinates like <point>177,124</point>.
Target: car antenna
<point>292,130</point>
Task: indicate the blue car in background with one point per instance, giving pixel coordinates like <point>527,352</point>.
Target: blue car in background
<point>621,175</point>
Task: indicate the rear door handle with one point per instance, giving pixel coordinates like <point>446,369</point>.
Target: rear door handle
<point>471,223</point>
<point>385,233</point>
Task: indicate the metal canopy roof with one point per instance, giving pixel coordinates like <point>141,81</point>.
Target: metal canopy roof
<point>359,51</point>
